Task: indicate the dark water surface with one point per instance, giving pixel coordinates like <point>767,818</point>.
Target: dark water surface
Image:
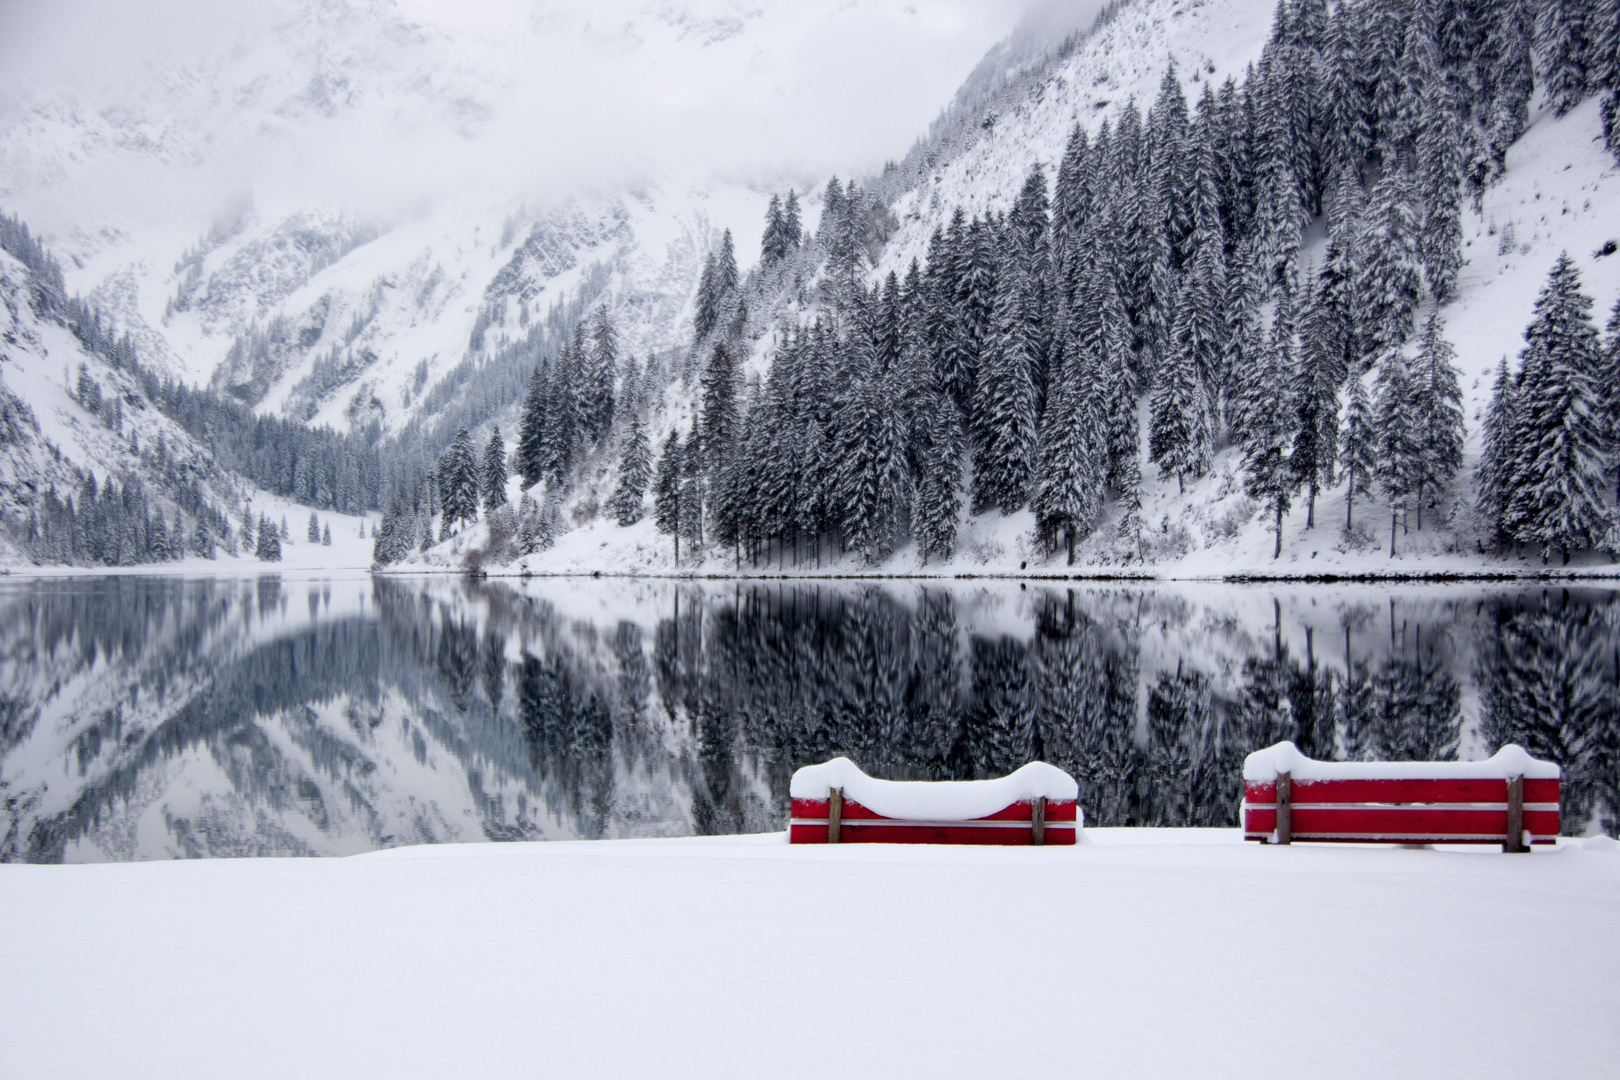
<point>151,718</point>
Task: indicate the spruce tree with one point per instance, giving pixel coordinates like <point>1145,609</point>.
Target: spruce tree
<point>326,535</point>
<point>1438,414</point>
<point>458,482</point>
<point>1560,449</point>
<point>1399,442</point>
<point>1073,457</point>
<point>1495,469</point>
<point>1268,474</point>
<point>1391,276</point>
<point>1180,436</point>
<point>667,491</point>
<point>1006,397</point>
<point>792,227</point>
<point>492,473</point>
<point>1609,378</point>
<point>1315,392</point>
<point>635,472</point>
<point>1561,37</point>
<point>939,488</point>
<point>528,459</point>
<point>268,548</point>
<point>601,367</point>
<point>1358,450</point>
<point>720,420</point>
<point>772,244</point>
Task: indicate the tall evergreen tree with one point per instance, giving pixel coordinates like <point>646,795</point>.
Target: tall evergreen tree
<point>1316,380</point>
<point>492,473</point>
<point>1560,449</point>
<point>1073,458</point>
<point>1495,471</point>
<point>1561,35</point>
<point>939,487</point>
<point>268,548</point>
<point>1438,412</point>
<point>313,535</point>
<point>1268,474</point>
<point>1358,450</point>
<point>1399,444</point>
<point>635,473</point>
<point>458,482</point>
<point>1006,399</point>
<point>667,491</point>
<point>600,369</point>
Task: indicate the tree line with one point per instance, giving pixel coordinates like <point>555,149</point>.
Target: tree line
<point>1156,282</point>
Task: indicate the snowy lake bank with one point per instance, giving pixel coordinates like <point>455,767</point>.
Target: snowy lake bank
<point>1142,953</point>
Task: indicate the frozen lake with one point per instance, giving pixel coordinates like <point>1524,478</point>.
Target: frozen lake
<point>160,717</point>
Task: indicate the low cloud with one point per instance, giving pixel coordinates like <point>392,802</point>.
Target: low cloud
<point>382,105</point>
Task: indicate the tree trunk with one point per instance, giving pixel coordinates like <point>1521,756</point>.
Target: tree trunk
<point>1310,506</point>
<point>1349,502</point>
<point>1392,513</point>
<point>1276,552</point>
<point>1181,488</point>
<point>1071,545</point>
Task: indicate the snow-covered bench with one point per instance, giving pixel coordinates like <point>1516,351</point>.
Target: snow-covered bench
<point>836,803</point>
<point>1509,798</point>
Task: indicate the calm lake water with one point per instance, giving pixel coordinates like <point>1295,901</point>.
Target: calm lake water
<point>155,718</point>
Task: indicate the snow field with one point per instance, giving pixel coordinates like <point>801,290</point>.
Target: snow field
<point>1140,953</point>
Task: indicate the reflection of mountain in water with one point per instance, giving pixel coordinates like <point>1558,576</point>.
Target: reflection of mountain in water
<point>153,718</point>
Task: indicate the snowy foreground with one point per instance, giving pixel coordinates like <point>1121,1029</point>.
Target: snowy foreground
<point>1153,953</point>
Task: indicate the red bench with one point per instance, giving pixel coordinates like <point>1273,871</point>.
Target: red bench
<point>1509,799</point>
<point>836,803</point>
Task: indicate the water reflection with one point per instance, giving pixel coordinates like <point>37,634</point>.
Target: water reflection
<point>159,718</point>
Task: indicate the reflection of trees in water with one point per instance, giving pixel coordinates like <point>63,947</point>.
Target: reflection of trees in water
<point>1549,667</point>
<point>697,719</point>
<point>799,675</point>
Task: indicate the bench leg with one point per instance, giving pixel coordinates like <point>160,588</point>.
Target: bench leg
<point>1037,822</point>
<point>1513,843</point>
<point>1285,809</point>
<point>835,815</point>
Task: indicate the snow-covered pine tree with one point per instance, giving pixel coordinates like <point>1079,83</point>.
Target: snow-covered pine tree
<point>559,443</point>
<point>1562,41</point>
<point>706,307</point>
<point>268,548</point>
<point>772,245</point>
<point>313,534</point>
<point>938,504</point>
<point>1005,403</point>
<point>601,368</point>
<point>1438,414</point>
<point>972,314</point>
<point>792,227</point>
<point>492,472</point>
<point>326,535</point>
<point>720,419</point>
<point>458,482</point>
<point>635,472</point>
<point>1315,392</point>
<point>1609,378</point>
<point>1512,78</point>
<point>1358,450</point>
<point>1390,277</point>
<point>1200,321</point>
<point>667,491</point>
<point>1494,472</point>
<point>1069,479</point>
<point>1440,153</point>
<point>1560,449</point>
<point>528,456</point>
<point>1399,446</point>
<point>692,493</point>
<point>1179,436</point>
<point>1268,474</point>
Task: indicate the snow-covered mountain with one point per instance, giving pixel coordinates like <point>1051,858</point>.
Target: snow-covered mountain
<point>322,283</point>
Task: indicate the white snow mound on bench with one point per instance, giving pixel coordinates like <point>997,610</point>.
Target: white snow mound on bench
<point>1511,760</point>
<point>942,800</point>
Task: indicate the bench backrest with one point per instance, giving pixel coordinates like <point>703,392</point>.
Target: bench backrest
<point>1402,810</point>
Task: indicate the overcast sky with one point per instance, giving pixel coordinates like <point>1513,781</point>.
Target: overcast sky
<point>383,102</point>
